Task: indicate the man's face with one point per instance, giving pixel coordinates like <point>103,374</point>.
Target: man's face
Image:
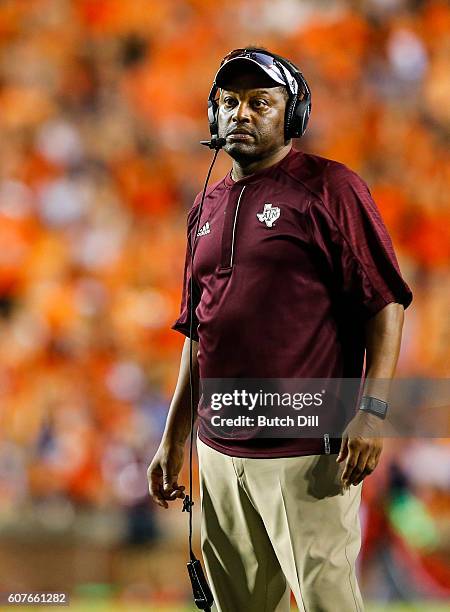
<point>251,116</point>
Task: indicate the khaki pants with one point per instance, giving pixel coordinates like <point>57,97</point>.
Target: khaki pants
<point>272,525</point>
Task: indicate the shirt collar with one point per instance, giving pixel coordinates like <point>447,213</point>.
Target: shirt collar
<point>261,174</point>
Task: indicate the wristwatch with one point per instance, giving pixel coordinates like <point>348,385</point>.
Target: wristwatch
<point>374,406</point>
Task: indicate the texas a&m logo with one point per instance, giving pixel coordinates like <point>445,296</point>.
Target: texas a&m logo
<point>269,215</point>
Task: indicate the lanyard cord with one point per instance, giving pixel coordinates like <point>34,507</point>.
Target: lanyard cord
<point>188,503</point>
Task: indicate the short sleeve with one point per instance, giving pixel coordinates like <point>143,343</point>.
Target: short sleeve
<point>348,229</point>
<point>182,324</point>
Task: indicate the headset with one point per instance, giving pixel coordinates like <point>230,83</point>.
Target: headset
<point>298,109</point>
<point>295,122</point>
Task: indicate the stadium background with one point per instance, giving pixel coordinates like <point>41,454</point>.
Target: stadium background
<point>102,105</point>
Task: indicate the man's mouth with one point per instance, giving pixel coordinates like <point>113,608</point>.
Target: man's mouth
<point>239,135</point>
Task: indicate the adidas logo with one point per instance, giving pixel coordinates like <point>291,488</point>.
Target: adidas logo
<point>204,230</point>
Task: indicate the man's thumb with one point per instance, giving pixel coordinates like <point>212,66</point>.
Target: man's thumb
<point>342,450</point>
<point>168,481</point>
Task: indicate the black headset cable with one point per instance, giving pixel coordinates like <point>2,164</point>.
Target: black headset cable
<point>202,594</point>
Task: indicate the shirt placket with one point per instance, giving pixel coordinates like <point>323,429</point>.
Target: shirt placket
<point>229,234</point>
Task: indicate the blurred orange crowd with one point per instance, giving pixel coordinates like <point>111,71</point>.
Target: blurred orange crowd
<point>102,105</point>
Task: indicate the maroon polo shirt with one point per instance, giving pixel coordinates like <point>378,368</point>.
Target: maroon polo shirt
<point>289,264</point>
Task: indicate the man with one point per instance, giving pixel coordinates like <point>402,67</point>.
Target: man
<point>294,277</point>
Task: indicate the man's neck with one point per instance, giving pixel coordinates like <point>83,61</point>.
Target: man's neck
<point>239,171</point>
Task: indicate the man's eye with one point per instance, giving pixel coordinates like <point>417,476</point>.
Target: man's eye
<point>259,103</point>
<point>228,101</point>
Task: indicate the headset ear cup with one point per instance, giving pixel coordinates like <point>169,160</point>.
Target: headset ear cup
<point>302,113</point>
<point>213,109</point>
<point>297,113</point>
<point>289,118</point>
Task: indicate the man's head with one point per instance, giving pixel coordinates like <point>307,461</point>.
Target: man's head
<point>244,74</point>
<point>251,110</point>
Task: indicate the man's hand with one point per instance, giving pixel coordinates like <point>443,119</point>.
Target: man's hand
<point>361,446</point>
<point>163,473</point>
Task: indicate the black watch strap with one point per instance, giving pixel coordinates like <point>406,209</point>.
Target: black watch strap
<point>374,406</point>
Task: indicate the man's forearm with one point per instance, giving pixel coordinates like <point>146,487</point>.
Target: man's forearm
<point>362,443</point>
<point>179,416</point>
<point>383,338</point>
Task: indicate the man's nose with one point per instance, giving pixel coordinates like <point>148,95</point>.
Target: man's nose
<point>241,113</point>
